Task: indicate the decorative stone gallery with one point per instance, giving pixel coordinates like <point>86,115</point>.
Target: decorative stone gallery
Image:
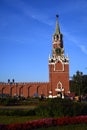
<point>58,84</point>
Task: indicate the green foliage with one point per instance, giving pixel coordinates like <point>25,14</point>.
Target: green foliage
<point>8,101</point>
<point>67,105</point>
<point>17,112</point>
<point>56,107</point>
<point>78,84</point>
<point>61,107</point>
<point>12,101</point>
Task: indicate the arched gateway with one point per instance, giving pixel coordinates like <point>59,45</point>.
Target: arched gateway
<point>60,90</point>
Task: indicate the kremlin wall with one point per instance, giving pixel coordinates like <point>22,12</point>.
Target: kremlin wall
<point>58,84</point>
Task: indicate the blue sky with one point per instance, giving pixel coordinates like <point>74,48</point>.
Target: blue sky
<point>26,29</point>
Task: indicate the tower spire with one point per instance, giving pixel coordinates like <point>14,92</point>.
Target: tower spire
<point>57,26</point>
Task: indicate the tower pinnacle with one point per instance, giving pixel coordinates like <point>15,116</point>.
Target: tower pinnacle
<point>57,26</point>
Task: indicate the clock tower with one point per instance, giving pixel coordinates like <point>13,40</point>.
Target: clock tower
<point>58,65</point>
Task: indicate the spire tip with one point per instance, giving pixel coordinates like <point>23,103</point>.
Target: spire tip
<point>57,15</point>
<point>57,25</point>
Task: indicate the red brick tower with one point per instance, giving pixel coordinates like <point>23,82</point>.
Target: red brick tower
<point>58,65</point>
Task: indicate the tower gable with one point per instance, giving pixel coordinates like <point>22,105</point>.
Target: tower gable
<point>59,66</point>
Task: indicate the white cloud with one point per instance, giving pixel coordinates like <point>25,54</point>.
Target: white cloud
<point>29,11</point>
<point>76,42</point>
<point>83,48</point>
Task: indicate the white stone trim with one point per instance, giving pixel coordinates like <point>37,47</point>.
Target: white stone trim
<point>61,89</point>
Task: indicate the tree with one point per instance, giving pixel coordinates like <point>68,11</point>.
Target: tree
<point>84,85</point>
<point>76,83</point>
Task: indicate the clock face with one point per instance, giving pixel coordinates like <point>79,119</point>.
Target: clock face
<point>58,51</point>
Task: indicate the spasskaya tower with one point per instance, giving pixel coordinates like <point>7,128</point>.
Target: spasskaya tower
<point>58,65</point>
<point>58,83</point>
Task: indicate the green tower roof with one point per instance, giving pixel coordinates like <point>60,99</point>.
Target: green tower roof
<point>57,31</point>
